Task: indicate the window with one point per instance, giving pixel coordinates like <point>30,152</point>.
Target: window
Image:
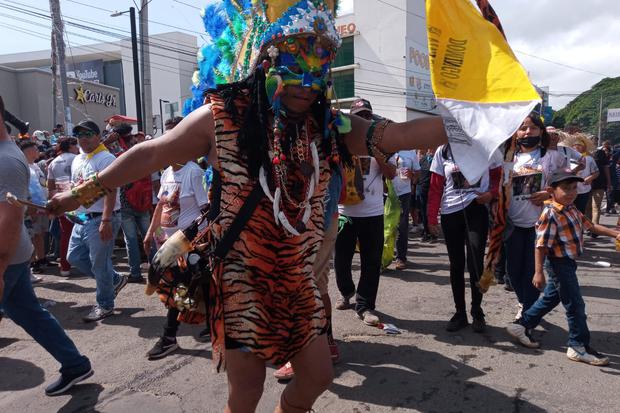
<point>344,84</point>
<point>345,55</point>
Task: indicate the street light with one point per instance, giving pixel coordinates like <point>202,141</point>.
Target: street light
<point>161,113</point>
<point>136,69</point>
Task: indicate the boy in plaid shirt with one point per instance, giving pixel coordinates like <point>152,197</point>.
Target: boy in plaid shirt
<point>559,241</point>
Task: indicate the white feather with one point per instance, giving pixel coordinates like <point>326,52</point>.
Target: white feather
<point>262,178</point>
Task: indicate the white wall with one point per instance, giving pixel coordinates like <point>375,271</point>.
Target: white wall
<point>380,53</point>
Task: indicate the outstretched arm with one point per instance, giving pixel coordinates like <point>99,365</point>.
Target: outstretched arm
<point>190,139</point>
<point>419,133</point>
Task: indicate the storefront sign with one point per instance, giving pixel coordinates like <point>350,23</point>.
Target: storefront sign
<point>420,94</point>
<point>347,29</point>
<point>89,96</point>
<point>91,71</point>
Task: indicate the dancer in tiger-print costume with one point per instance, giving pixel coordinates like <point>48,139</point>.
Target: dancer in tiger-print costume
<point>270,122</point>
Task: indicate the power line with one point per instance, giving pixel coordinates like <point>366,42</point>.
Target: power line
<point>93,27</point>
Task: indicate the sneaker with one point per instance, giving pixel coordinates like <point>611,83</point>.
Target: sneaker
<point>343,302</point>
<point>499,280</point>
<point>369,317</point>
<point>34,279</point>
<point>400,265</point>
<point>519,332</point>
<point>333,349</point>
<point>204,335</point>
<point>457,322</point>
<point>121,284</point>
<point>478,325</point>
<point>519,311</point>
<point>508,287</point>
<point>36,268</point>
<point>65,273</point>
<point>586,355</point>
<point>97,313</point>
<point>162,348</point>
<point>136,280</point>
<point>285,372</point>
<point>66,381</point>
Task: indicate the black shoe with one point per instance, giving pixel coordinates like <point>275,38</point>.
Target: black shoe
<point>162,348</point>
<point>204,335</point>
<point>66,381</point>
<point>478,325</point>
<point>136,280</point>
<point>508,287</point>
<point>457,322</point>
<point>500,280</point>
<point>121,284</point>
<point>36,268</point>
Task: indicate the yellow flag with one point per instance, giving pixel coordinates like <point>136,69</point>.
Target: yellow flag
<point>482,90</point>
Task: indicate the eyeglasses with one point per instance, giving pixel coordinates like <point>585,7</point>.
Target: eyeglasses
<point>84,134</point>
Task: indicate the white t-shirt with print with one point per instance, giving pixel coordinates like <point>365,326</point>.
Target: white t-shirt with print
<point>60,167</point>
<point>372,205</point>
<point>530,173</point>
<point>590,169</point>
<point>183,194</point>
<point>457,192</point>
<point>84,168</point>
<point>404,159</point>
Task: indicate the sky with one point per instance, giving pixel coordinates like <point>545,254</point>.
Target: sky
<point>567,45</point>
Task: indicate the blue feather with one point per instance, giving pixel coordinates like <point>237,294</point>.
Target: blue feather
<point>215,20</point>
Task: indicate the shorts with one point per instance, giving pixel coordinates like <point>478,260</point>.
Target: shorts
<point>321,266</point>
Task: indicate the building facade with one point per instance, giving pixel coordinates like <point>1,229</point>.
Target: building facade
<point>172,62</point>
<point>27,94</point>
<point>384,58</point>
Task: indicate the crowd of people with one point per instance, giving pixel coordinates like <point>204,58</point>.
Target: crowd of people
<point>291,183</point>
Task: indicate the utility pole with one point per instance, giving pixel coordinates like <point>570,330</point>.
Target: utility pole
<point>136,69</point>
<point>600,120</point>
<point>147,100</point>
<point>54,67</point>
<point>57,32</point>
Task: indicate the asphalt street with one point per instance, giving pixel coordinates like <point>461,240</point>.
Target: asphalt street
<point>423,369</point>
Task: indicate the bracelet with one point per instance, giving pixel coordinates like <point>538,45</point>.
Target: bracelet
<point>88,192</point>
<point>374,136</point>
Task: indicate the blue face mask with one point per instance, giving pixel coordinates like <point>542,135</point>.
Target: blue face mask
<point>301,62</point>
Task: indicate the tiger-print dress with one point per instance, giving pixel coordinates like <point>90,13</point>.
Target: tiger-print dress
<point>264,298</point>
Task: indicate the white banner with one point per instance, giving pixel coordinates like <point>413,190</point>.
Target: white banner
<point>613,115</point>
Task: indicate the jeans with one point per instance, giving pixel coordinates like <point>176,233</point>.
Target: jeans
<point>369,232</point>
<point>132,222</point>
<point>172,323</point>
<point>520,264</point>
<point>402,239</point>
<point>466,230</point>
<point>89,254</point>
<point>66,227</point>
<point>562,286</point>
<point>22,306</point>
<point>421,199</point>
<point>582,202</point>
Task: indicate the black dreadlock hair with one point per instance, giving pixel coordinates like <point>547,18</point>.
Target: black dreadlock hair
<point>253,134</point>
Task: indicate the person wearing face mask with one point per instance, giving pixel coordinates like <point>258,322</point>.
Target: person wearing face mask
<point>532,165</point>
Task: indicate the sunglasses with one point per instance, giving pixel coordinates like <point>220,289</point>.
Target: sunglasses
<point>84,134</point>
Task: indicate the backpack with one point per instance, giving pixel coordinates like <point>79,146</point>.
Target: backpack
<point>139,194</point>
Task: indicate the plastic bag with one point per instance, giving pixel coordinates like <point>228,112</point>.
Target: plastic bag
<point>391,218</point>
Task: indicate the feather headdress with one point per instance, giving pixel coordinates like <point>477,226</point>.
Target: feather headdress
<point>240,32</point>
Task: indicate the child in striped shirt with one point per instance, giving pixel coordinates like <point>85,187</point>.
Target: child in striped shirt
<point>559,241</point>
